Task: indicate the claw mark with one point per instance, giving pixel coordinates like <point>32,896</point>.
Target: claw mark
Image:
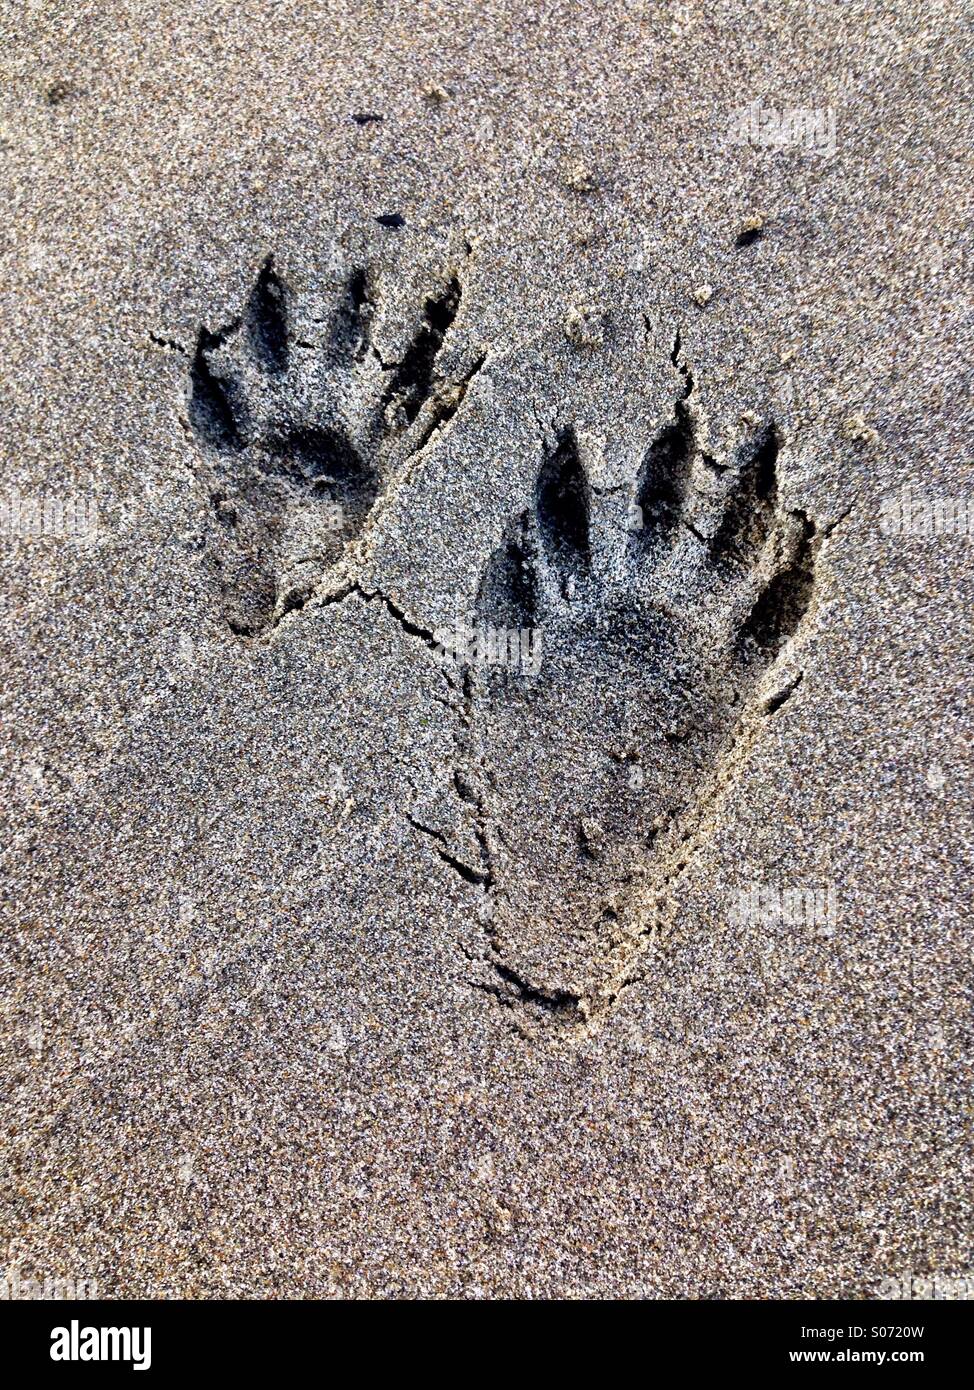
<point>350,322</point>
<point>783,602</point>
<point>413,379</point>
<point>509,591</point>
<point>210,412</point>
<point>266,320</point>
<point>562,506</point>
<point>663,480</point>
<point>751,504</point>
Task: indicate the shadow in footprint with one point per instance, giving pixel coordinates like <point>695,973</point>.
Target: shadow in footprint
<point>562,508</point>
<point>323,461</point>
<point>662,481</point>
<point>750,505</point>
<point>266,320</point>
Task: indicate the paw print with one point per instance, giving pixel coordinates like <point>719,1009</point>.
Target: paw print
<point>301,424</point>
<point>659,608</point>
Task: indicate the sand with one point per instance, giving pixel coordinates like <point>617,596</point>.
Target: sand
<point>333,965</point>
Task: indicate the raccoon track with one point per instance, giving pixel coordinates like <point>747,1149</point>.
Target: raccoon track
<point>301,426</point>
<point>598,772</point>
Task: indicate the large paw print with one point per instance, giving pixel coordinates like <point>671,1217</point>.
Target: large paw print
<point>302,423</point>
<point>649,616</point>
